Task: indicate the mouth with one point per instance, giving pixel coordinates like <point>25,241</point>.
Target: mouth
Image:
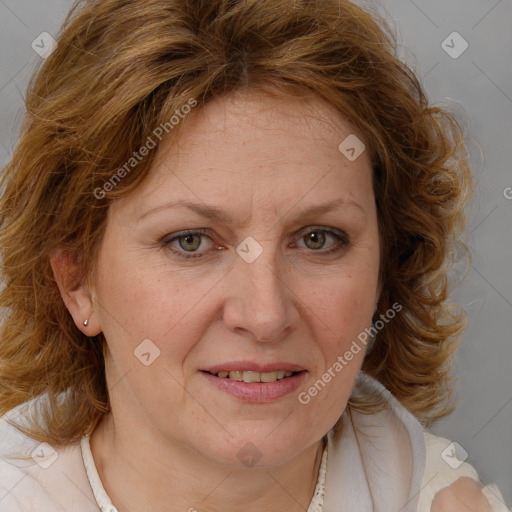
<point>253,386</point>
<point>252,376</point>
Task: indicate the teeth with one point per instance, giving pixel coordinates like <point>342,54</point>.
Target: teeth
<point>255,376</point>
<point>268,377</point>
<point>252,376</point>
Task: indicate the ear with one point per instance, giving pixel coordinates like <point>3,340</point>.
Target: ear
<point>75,294</point>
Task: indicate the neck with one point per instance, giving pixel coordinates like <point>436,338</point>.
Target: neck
<point>142,474</point>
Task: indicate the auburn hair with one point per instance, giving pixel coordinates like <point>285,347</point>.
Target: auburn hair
<point>121,69</point>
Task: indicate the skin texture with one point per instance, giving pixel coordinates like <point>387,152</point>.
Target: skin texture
<point>464,495</point>
<point>263,161</point>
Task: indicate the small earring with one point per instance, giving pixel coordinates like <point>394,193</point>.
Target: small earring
<point>86,322</point>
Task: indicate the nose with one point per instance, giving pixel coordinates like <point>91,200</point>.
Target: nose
<point>260,303</point>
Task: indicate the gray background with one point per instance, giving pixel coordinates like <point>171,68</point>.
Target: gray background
<point>478,85</point>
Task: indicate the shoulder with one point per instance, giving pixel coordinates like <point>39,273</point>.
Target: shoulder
<point>450,484</point>
<point>429,472</point>
<point>36,476</point>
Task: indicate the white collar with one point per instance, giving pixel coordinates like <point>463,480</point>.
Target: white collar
<point>101,496</point>
<point>377,462</point>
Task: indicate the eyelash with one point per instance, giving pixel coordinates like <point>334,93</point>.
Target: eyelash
<point>342,241</point>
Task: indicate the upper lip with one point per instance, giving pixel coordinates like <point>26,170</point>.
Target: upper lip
<point>252,366</point>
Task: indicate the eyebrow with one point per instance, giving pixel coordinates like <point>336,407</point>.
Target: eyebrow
<point>215,214</point>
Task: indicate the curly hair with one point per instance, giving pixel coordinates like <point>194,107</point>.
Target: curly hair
<point>120,70</point>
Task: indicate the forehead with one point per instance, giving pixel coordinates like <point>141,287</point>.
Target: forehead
<point>260,150</point>
<point>247,117</point>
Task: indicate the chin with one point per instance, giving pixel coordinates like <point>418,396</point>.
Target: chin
<point>259,449</point>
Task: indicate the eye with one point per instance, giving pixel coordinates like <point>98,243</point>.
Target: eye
<point>196,243</point>
<point>316,238</point>
<point>187,243</point>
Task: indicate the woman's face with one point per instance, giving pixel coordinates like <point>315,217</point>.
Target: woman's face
<point>252,245</point>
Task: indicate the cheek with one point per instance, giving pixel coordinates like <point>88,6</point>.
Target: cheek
<point>346,304</point>
<point>142,300</point>
<point>342,312</point>
<point>137,291</point>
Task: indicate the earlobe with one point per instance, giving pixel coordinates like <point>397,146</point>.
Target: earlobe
<point>75,294</point>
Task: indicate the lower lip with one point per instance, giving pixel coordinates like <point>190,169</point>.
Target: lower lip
<point>257,392</point>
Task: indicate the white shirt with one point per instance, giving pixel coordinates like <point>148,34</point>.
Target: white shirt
<point>384,462</point>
